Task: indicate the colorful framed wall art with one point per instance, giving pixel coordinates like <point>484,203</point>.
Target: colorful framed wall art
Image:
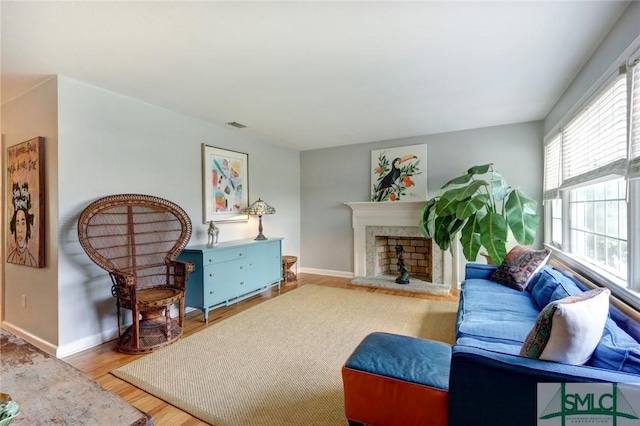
<point>225,188</point>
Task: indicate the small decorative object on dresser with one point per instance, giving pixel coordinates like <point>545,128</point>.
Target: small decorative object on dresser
<point>212,234</point>
<point>231,271</point>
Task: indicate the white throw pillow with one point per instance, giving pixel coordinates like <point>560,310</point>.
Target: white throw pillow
<point>568,330</point>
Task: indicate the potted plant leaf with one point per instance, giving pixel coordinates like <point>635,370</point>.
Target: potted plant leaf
<point>483,208</point>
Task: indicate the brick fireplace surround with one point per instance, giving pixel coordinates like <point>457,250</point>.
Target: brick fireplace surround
<point>374,223</point>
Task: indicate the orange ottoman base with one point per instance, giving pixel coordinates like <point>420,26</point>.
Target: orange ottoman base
<point>397,380</point>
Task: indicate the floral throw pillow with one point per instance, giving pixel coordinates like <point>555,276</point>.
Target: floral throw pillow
<point>519,266</point>
<point>568,330</point>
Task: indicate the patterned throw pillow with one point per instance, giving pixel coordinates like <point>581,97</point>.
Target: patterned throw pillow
<point>568,330</point>
<point>519,266</point>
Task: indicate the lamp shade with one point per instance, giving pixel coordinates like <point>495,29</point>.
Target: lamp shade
<point>259,208</point>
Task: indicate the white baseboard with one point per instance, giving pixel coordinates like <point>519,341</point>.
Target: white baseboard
<point>77,345</point>
<point>102,337</point>
<point>328,272</point>
<point>48,347</point>
<point>87,342</point>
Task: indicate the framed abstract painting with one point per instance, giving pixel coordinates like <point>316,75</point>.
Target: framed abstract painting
<point>399,174</point>
<point>25,202</point>
<point>225,189</point>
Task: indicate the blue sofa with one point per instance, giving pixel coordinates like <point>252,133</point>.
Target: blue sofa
<point>489,383</point>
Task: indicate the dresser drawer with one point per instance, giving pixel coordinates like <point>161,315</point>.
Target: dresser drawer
<point>220,256</point>
<point>230,272</point>
<point>216,292</point>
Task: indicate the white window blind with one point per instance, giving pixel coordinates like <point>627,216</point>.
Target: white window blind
<point>595,142</point>
<point>552,166</point>
<point>634,127</point>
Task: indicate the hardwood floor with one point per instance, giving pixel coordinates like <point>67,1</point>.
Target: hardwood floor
<point>99,361</point>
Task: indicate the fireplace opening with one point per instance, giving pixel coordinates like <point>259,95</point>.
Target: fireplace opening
<point>417,256</point>
<point>397,221</point>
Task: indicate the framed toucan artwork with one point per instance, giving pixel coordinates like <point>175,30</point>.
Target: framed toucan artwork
<point>399,174</point>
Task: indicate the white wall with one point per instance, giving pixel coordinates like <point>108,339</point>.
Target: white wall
<point>34,114</point>
<point>111,144</point>
<point>331,176</point>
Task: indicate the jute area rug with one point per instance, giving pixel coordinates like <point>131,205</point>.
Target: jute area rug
<point>279,362</point>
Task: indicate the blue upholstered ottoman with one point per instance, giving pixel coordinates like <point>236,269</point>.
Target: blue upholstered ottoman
<point>397,380</point>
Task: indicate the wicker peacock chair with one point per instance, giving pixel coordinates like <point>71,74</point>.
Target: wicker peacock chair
<point>136,238</point>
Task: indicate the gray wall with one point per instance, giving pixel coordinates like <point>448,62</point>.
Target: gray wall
<point>621,36</point>
<point>329,177</point>
<point>332,176</point>
<point>108,144</point>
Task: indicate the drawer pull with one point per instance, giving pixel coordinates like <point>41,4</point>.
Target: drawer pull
<point>241,267</point>
<point>210,275</point>
<point>240,254</point>
<point>241,282</point>
<point>210,260</point>
<point>211,292</point>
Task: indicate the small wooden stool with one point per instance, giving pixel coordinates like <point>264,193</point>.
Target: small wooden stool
<point>290,277</point>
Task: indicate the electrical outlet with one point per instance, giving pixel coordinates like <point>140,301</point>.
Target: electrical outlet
<point>24,300</point>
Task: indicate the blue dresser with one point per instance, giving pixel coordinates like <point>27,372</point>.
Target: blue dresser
<point>231,271</point>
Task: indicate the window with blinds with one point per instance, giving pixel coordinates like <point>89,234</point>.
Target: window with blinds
<point>634,126</point>
<point>592,183</point>
<point>594,143</point>
<point>552,166</point>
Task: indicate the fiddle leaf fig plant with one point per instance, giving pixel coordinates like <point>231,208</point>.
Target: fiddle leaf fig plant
<point>483,208</point>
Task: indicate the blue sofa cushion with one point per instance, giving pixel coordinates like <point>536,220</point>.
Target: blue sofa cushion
<point>493,312</point>
<point>617,350</point>
<point>486,286</point>
<point>478,270</point>
<point>552,285</point>
<point>511,348</point>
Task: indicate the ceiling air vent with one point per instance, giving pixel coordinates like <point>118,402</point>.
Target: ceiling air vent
<point>236,124</point>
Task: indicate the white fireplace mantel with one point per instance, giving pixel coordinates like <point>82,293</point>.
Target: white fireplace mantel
<point>406,214</point>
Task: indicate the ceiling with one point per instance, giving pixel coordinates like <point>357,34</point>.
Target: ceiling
<point>310,75</point>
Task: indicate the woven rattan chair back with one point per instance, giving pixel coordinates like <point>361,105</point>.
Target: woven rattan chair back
<point>137,238</point>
